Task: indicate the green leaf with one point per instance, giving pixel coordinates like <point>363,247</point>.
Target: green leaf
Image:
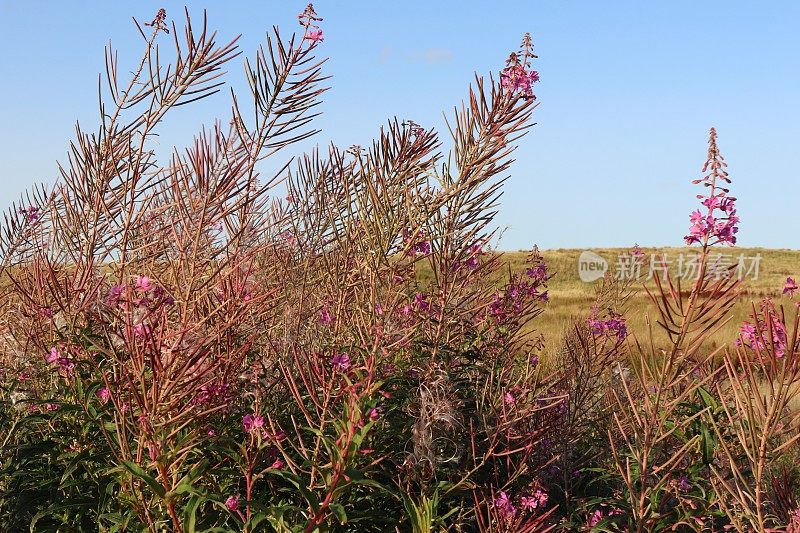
<point>139,472</point>
<point>190,513</point>
<point>338,510</point>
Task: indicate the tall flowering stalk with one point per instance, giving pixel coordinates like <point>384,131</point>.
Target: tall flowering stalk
<point>716,222</point>
<point>661,432</point>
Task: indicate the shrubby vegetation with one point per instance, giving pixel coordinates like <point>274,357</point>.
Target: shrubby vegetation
<point>197,346</point>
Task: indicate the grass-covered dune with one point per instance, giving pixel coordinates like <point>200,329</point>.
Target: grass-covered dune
<point>764,272</point>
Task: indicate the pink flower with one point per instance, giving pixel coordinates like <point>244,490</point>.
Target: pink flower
<point>315,36</point>
<point>538,272</point>
<point>213,393</point>
<point>53,356</point>
<point>637,252</point>
<point>504,506</point>
<point>114,294</point>
<point>515,78</point>
<point>374,413</point>
<point>31,213</point>
<point>252,423</point>
<point>232,502</point>
<point>340,362</point>
<point>613,326</point>
<point>67,366</point>
<point>104,394</point>
<point>509,399</point>
<point>768,320</point>
<point>276,465</point>
<point>141,330</point>
<point>790,287</point>
<point>537,500</point>
<point>597,516</point>
<point>422,303</point>
<point>143,283</point>
<point>417,243</point>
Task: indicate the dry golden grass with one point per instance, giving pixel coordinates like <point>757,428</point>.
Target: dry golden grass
<point>571,298</point>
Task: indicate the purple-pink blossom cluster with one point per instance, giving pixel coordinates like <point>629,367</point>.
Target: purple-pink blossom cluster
<point>143,293</point>
<point>517,76</point>
<point>31,213</point>
<point>520,292</point>
<point>473,260</point>
<point>325,316</point>
<point>65,364</point>
<point>767,330</point>
<point>717,222</point>
<point>598,516</point>
<point>507,510</point>
<point>252,423</point>
<point>712,228</point>
<point>104,394</point>
<point>613,326</point>
<point>416,243</point>
<point>340,362</point>
<point>213,394</point>
<point>232,502</point>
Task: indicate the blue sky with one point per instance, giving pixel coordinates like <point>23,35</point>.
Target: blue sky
<point>629,90</point>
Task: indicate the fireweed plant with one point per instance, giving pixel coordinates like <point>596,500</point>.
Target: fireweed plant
<point>199,345</point>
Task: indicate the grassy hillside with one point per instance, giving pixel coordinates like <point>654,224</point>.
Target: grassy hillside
<point>571,297</point>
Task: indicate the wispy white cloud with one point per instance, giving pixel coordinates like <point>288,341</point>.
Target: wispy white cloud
<point>434,56</point>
